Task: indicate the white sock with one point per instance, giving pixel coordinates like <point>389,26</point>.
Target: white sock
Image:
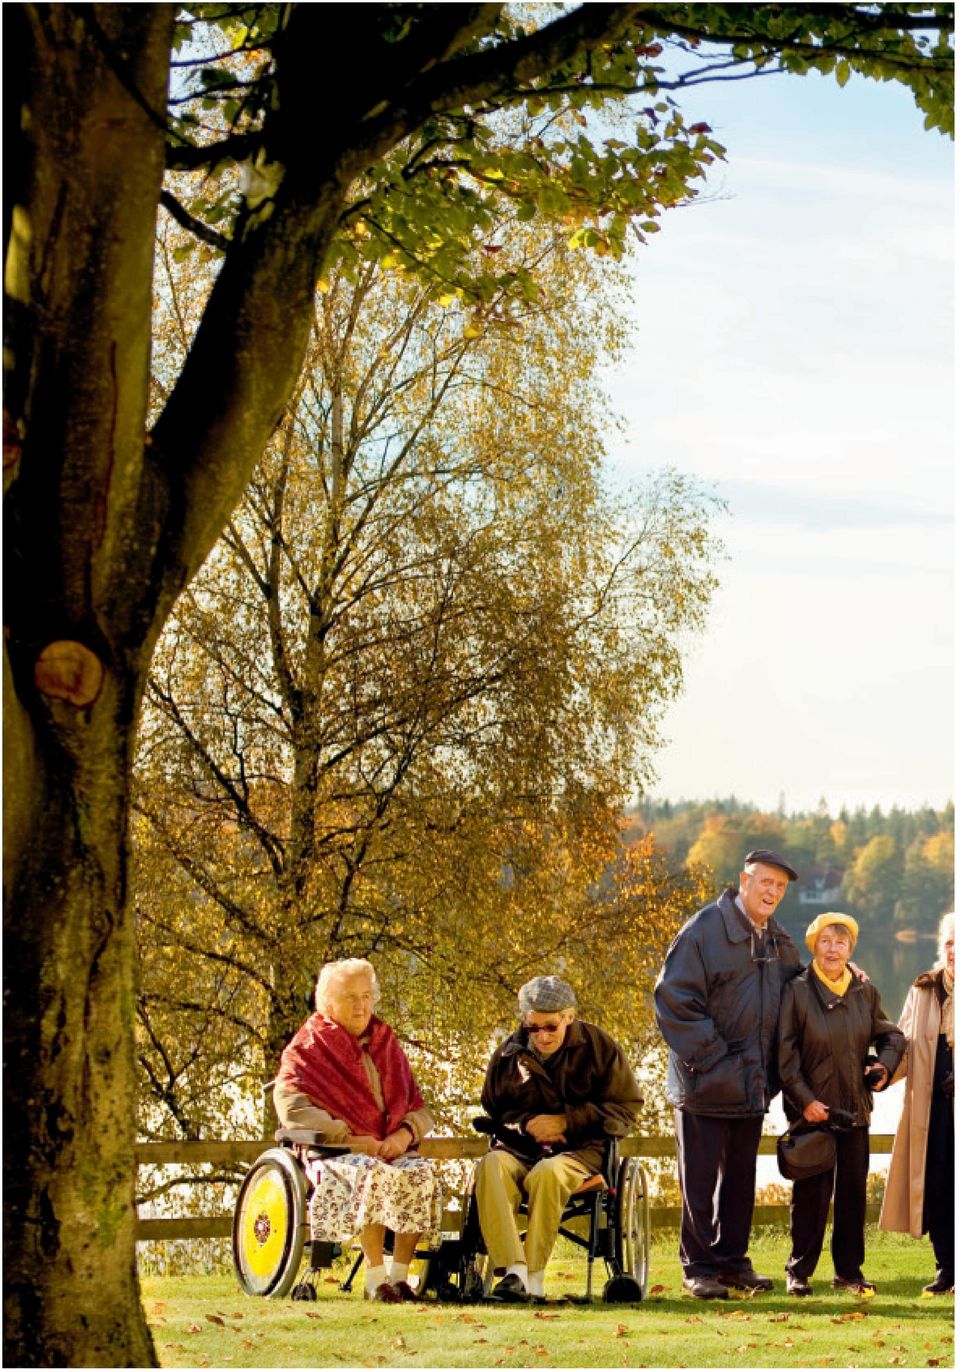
<point>398,1272</point>
<point>535,1284</point>
<point>375,1277</point>
<point>519,1269</point>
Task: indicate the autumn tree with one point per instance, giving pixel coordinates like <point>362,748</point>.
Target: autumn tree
<point>108,518</point>
<point>399,710</point>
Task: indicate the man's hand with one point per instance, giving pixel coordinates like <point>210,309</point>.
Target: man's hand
<point>396,1143</point>
<point>816,1112</point>
<point>547,1128</point>
<point>858,973</point>
<point>362,1142</point>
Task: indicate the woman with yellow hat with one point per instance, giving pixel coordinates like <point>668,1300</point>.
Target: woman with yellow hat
<point>829,1019</point>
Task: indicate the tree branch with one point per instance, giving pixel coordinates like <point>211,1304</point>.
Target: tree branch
<point>195,226</point>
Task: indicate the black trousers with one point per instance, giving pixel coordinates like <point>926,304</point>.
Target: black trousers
<point>717,1162</point>
<point>938,1185</point>
<point>810,1203</point>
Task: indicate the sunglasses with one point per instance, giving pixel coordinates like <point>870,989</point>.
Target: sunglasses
<point>543,1027</point>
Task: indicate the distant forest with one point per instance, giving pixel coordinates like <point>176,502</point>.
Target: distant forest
<point>890,870</point>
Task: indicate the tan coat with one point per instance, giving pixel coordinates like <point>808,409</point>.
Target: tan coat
<point>902,1209</point>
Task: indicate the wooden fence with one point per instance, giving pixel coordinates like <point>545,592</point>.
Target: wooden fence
<point>232,1153</point>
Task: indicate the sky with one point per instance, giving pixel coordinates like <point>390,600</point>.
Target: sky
<point>794,351</point>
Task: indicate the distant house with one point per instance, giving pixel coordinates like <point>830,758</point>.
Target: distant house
<point>820,887</point>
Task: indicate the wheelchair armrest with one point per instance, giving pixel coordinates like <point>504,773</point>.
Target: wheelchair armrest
<point>309,1137</point>
<point>484,1124</point>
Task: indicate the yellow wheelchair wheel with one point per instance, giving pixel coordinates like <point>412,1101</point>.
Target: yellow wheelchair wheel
<point>270,1224</point>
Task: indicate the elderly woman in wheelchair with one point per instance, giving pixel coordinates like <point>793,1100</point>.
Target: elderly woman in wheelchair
<point>345,1083</point>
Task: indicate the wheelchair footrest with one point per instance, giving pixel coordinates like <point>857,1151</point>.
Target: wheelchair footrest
<point>323,1254</point>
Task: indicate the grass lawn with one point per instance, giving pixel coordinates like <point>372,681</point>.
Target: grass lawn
<point>201,1321</point>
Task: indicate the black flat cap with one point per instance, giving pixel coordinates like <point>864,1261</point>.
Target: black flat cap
<point>763,854</point>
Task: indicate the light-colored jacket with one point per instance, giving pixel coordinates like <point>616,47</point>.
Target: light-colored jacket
<point>902,1209</point>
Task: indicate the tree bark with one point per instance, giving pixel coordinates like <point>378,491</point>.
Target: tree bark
<point>79,269</point>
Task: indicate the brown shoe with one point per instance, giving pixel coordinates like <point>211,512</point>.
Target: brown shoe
<point>387,1294</point>
<point>404,1291</point>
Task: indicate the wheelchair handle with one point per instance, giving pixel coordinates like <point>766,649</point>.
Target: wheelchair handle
<point>309,1137</point>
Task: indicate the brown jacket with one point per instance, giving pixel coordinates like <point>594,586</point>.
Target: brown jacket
<point>902,1209</point>
<point>589,1080</point>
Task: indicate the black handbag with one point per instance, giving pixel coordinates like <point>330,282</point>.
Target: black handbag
<point>808,1149</point>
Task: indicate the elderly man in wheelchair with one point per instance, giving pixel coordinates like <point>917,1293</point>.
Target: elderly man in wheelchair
<point>557,1091</point>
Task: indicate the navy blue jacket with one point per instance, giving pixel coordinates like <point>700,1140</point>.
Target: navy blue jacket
<point>718,1006</point>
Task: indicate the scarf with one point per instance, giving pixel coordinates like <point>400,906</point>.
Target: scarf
<point>840,986</point>
<point>946,1009</point>
<point>325,1062</point>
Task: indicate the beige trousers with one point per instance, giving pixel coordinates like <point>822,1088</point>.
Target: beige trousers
<point>503,1181</point>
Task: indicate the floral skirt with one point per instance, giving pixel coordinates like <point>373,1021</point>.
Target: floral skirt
<point>350,1192</point>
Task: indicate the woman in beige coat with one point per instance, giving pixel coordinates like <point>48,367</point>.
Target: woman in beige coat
<point>920,1187</point>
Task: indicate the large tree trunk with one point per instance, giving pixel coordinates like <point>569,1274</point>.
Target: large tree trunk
<point>88,168</point>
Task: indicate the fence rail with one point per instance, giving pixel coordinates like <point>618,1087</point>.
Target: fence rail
<point>218,1153</point>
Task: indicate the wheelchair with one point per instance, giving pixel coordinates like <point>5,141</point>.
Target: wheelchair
<point>607,1217</point>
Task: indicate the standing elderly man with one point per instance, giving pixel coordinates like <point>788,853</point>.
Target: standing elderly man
<point>556,1090</point>
<point>717,1001</point>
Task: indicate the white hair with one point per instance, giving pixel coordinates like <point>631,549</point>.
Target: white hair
<point>944,928</point>
<point>335,971</point>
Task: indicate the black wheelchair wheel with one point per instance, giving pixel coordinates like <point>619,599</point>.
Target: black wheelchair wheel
<point>632,1229</point>
<point>270,1224</point>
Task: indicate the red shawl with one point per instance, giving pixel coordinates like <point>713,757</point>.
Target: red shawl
<point>325,1062</point>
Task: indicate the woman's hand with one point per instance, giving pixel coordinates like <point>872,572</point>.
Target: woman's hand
<point>362,1142</point>
<point>396,1143</point>
<point>816,1112</point>
<point>877,1075</point>
<point>547,1128</point>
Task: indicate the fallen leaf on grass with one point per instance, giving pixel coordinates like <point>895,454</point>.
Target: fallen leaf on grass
<point>399,1341</point>
<point>194,1328</point>
<point>236,1316</point>
<point>788,1342</point>
<point>159,1306</point>
<point>312,1314</point>
<point>480,1339</point>
<point>778,1318</point>
<point>693,1318</point>
<point>848,1318</point>
<point>658,1289</point>
<point>247,1343</point>
<point>542,1314</point>
<point>934,1361</point>
<point>173,1346</point>
<point>331,1280</point>
<point>622,1331</point>
<point>215,1318</point>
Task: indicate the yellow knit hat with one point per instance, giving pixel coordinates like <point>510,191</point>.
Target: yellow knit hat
<point>823,921</point>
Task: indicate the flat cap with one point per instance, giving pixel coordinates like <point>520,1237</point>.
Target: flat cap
<point>544,994</point>
<point>763,854</point>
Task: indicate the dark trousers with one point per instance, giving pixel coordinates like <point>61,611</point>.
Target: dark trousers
<point>938,1185</point>
<point>810,1203</point>
<point>717,1162</point>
